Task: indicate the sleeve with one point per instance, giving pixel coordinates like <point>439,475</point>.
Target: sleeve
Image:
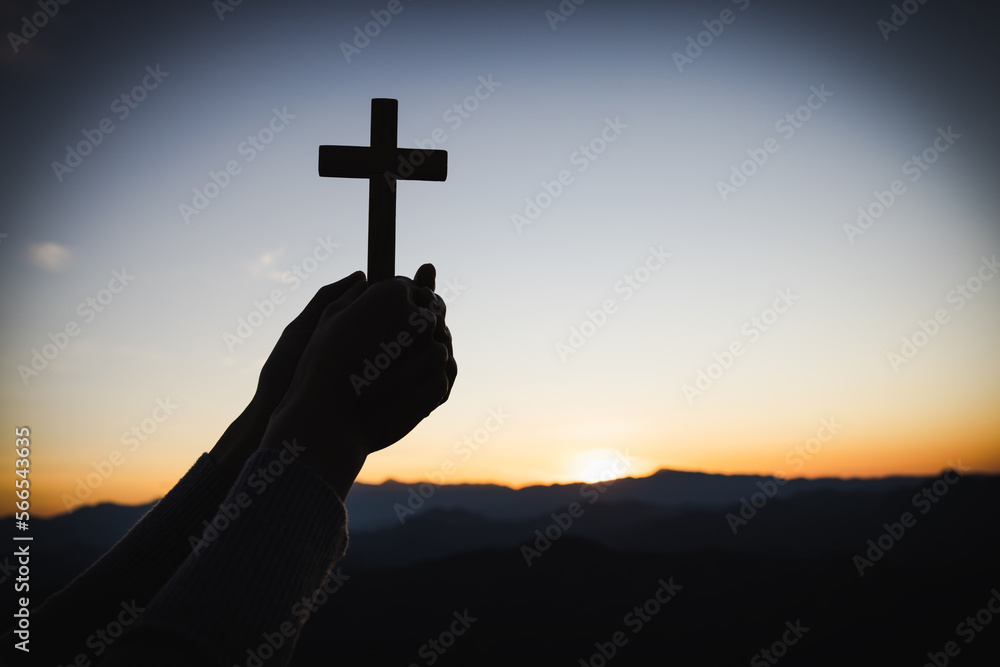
<point>246,586</point>
<point>74,625</point>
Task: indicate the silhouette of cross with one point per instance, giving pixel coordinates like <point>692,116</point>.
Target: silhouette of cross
<point>382,163</point>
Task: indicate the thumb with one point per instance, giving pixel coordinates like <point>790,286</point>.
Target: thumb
<point>425,275</point>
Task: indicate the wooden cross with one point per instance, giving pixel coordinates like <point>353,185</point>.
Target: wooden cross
<point>383,163</point>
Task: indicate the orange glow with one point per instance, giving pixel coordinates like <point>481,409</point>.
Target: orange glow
<point>611,449</point>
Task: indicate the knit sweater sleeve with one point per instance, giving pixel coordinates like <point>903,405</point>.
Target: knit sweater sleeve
<point>245,588</point>
<point>73,625</point>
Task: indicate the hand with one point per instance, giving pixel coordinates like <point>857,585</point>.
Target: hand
<point>279,369</point>
<point>243,436</point>
<point>370,373</point>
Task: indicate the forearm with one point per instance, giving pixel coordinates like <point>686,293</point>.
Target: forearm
<point>283,530</point>
<point>131,572</point>
<point>127,576</point>
<point>241,439</point>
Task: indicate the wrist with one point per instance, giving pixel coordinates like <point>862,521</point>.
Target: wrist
<point>241,439</point>
<point>330,452</point>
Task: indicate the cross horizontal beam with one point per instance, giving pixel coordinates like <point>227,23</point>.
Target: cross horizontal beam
<point>404,164</point>
<point>382,163</point>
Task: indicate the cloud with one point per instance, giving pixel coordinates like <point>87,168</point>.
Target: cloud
<point>265,264</point>
<point>50,256</point>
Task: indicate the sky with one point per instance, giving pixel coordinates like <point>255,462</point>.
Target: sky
<point>732,237</point>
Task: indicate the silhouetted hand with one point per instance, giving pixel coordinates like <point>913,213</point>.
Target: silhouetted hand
<point>373,369</point>
<point>244,435</point>
<point>279,369</point>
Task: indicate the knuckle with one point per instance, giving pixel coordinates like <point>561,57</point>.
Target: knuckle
<point>392,289</point>
<point>440,356</point>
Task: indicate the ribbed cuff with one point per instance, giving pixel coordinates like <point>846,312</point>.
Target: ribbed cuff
<point>249,571</point>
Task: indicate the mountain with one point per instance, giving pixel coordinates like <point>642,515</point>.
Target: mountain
<point>806,524</point>
<point>793,565</point>
<point>859,572</point>
<point>393,503</point>
<point>667,513</point>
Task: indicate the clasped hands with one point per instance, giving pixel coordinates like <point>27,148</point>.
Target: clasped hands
<point>306,391</point>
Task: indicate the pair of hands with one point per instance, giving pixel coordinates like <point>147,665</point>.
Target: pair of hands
<point>357,370</point>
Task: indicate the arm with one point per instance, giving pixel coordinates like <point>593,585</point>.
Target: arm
<point>244,592</point>
<point>68,624</point>
<point>127,577</point>
<point>250,581</point>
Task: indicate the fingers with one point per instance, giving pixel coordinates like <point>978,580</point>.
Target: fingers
<point>425,276</point>
<point>425,280</point>
<point>345,299</point>
<point>424,391</point>
<point>432,368</point>
<point>442,336</point>
<point>451,371</point>
<point>326,296</point>
<point>377,379</point>
<point>281,364</point>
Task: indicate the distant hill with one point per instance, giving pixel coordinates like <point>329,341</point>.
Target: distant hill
<point>547,591</point>
<point>381,506</point>
<point>794,562</point>
<point>804,524</point>
<point>666,512</point>
<point>390,504</point>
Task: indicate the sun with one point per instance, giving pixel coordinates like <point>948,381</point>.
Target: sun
<point>599,465</point>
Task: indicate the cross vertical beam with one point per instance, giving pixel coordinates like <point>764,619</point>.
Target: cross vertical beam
<point>382,163</point>
<point>382,196</point>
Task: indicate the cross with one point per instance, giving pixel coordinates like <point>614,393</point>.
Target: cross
<point>383,163</point>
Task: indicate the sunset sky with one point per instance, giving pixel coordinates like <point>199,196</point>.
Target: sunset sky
<point>624,208</point>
